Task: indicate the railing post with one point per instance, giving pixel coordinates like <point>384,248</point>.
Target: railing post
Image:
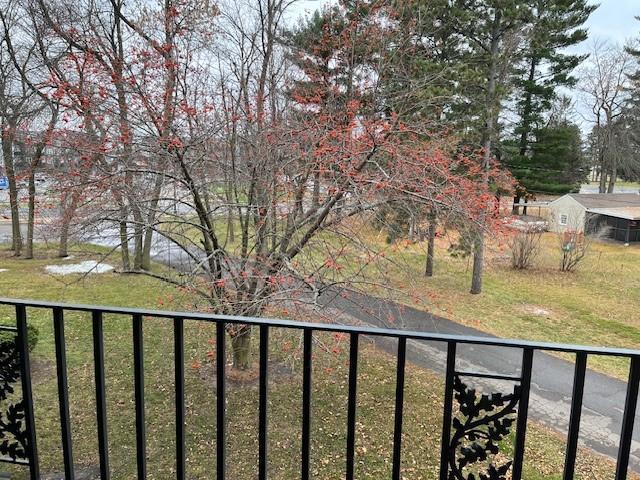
<point>306,403</point>
<point>63,395</point>
<point>447,410</point>
<point>264,390</point>
<point>397,429</point>
<point>178,352</point>
<point>626,435</point>
<point>138,369</point>
<point>523,411</point>
<point>27,395</point>
<point>574,418</point>
<point>351,404</point>
<point>221,400</point>
<point>101,401</point>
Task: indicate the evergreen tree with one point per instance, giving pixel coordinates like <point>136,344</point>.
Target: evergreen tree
<point>556,162</point>
<point>491,32</point>
<point>630,121</point>
<point>633,49</point>
<point>545,66</point>
<point>423,68</point>
<point>461,57</point>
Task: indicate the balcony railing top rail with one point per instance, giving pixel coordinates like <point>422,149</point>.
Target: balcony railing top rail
<point>329,327</point>
<point>481,420</point>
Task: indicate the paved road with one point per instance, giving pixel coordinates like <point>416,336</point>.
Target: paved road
<point>552,378</point>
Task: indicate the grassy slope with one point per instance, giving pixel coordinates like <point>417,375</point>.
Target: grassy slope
<point>26,279</point>
<point>598,304</point>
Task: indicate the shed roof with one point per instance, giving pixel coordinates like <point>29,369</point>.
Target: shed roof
<point>629,213</point>
<point>607,200</point>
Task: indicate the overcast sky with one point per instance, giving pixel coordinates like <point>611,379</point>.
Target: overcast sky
<point>613,21</point>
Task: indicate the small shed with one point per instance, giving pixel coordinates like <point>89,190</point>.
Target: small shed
<point>616,215</point>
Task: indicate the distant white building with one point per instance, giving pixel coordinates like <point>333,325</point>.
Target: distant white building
<point>617,215</point>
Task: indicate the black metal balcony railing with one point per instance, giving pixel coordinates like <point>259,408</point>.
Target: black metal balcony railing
<point>468,436</point>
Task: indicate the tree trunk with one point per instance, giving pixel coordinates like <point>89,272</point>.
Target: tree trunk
<point>315,197</point>
<point>124,244</point>
<point>68,212</point>
<point>241,346</point>
<point>515,210</point>
<point>478,263</point>
<point>613,178</point>
<point>527,109</point>
<point>603,173</point>
<point>231,232</point>
<point>490,119</point>
<point>7,153</point>
<point>63,249</point>
<point>428,272</point>
<point>31,216</point>
<point>138,235</point>
<point>146,248</point>
<point>151,217</point>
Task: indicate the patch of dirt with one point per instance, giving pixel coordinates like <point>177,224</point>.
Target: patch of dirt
<point>41,370</point>
<point>278,372</point>
<point>536,310</point>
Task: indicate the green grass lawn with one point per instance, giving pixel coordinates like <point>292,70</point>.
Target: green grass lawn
<point>376,392</point>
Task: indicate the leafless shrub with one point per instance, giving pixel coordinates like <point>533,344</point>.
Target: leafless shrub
<point>525,243</point>
<point>575,245</point>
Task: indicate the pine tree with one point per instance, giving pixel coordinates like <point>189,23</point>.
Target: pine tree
<point>545,66</point>
<point>630,119</point>
<point>556,162</point>
<point>492,33</point>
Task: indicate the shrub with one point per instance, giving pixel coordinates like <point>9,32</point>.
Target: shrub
<point>525,243</point>
<point>33,335</point>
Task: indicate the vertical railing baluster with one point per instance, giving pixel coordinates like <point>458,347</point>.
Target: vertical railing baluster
<point>626,435</point>
<point>574,417</point>
<point>306,403</point>
<point>27,394</point>
<point>262,414</point>
<point>399,408</point>
<point>351,404</point>
<point>138,371</point>
<point>523,411</point>
<point>101,400</point>
<point>178,353</point>
<point>221,400</point>
<point>63,394</point>
<point>447,412</point>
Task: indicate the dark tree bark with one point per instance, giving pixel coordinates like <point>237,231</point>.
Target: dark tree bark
<point>31,216</point>
<point>8,138</point>
<point>478,252</point>
<point>68,210</point>
<point>431,242</point>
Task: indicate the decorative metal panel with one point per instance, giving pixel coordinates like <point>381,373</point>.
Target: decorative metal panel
<point>481,423</point>
<point>13,432</point>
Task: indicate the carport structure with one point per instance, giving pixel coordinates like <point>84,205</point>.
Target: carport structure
<point>622,224</point>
